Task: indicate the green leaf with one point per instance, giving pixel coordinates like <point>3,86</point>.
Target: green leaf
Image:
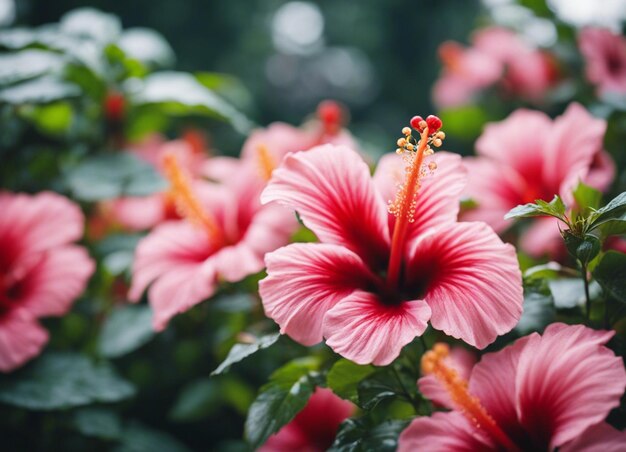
<point>554,208</point>
<point>39,91</point>
<point>359,435</point>
<point>63,380</point>
<point>138,438</point>
<point>569,293</point>
<point>343,378</point>
<point>147,46</point>
<point>180,93</point>
<point>464,122</point>
<point>611,274</point>
<point>382,385</point>
<point>126,329</point>
<point>113,175</point>
<point>284,396</point>
<point>587,198</point>
<point>91,23</point>
<point>98,423</point>
<point>614,210</point>
<point>242,351</point>
<point>197,400</point>
<point>584,249</point>
<point>27,64</point>
<point>538,309</point>
<point>53,118</point>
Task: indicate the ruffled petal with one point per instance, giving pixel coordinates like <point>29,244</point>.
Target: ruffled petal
<point>21,339</point>
<point>39,222</point>
<point>365,330</point>
<point>567,381</point>
<point>305,280</point>
<point>599,437</point>
<point>50,287</point>
<point>443,432</point>
<point>438,199</point>
<point>470,279</point>
<point>330,187</point>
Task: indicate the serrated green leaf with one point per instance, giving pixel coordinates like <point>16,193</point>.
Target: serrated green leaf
<point>126,329</point>
<point>98,423</point>
<point>113,175</point>
<point>63,380</point>
<point>611,274</point>
<point>383,385</point>
<point>359,435</point>
<point>615,210</point>
<point>554,208</point>
<point>241,351</point>
<point>344,377</point>
<point>284,396</point>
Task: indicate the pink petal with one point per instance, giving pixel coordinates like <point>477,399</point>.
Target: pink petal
<point>496,188</point>
<point>602,171</point>
<point>571,145</point>
<point>331,188</point>
<point>566,382</point>
<point>279,139</point>
<point>287,439</point>
<point>21,339</point>
<point>453,90</point>
<point>438,198</point>
<point>443,432</point>
<point>51,287</point>
<point>365,330</point>
<point>305,280</point>
<point>39,222</point>
<point>600,437</point>
<point>462,361</point>
<point>137,214</point>
<point>471,280</point>
<point>493,382</point>
<point>543,238</point>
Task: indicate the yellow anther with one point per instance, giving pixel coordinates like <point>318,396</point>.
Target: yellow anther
<point>266,162</point>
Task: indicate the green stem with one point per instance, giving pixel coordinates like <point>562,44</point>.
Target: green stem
<point>587,297</point>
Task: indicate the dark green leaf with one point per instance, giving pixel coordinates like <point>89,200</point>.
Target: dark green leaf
<point>614,210</point>
<point>242,351</point>
<point>98,422</point>
<point>538,309</point>
<point>554,208</point>
<point>197,400</point>
<point>126,329</point>
<point>611,274</point>
<point>382,385</point>
<point>63,380</point>
<point>343,378</point>
<point>284,396</point>
<point>359,435</point>
<point>137,438</point>
<point>113,175</point>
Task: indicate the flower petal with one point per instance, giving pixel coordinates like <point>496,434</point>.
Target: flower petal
<point>599,437</point>
<point>443,432</point>
<point>331,188</point>
<point>438,198</point>
<point>471,281</point>
<point>21,339</point>
<point>567,381</point>
<point>53,284</point>
<point>365,330</point>
<point>305,280</point>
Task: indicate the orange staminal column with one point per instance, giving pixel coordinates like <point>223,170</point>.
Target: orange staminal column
<point>266,162</point>
<point>433,362</point>
<point>187,204</point>
<point>403,207</point>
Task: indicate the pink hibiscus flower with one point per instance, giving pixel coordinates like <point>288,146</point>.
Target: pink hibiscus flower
<point>528,156</point>
<point>41,271</point>
<point>497,56</point>
<point>315,427</point>
<point>224,236</point>
<point>377,278</point>
<point>144,212</point>
<point>267,147</point>
<point>540,393</point>
<point>605,58</point>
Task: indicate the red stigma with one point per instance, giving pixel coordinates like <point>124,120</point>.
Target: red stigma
<point>415,123</point>
<point>114,106</point>
<point>331,114</point>
<point>434,123</point>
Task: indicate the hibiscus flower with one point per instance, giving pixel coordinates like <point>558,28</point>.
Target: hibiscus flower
<point>605,58</point>
<point>540,393</point>
<point>223,236</point>
<point>528,156</point>
<point>315,427</point>
<point>381,272</point>
<point>41,271</point>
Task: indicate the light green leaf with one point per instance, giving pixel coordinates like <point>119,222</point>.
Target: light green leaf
<point>554,208</point>
<point>241,351</point>
<point>344,377</point>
